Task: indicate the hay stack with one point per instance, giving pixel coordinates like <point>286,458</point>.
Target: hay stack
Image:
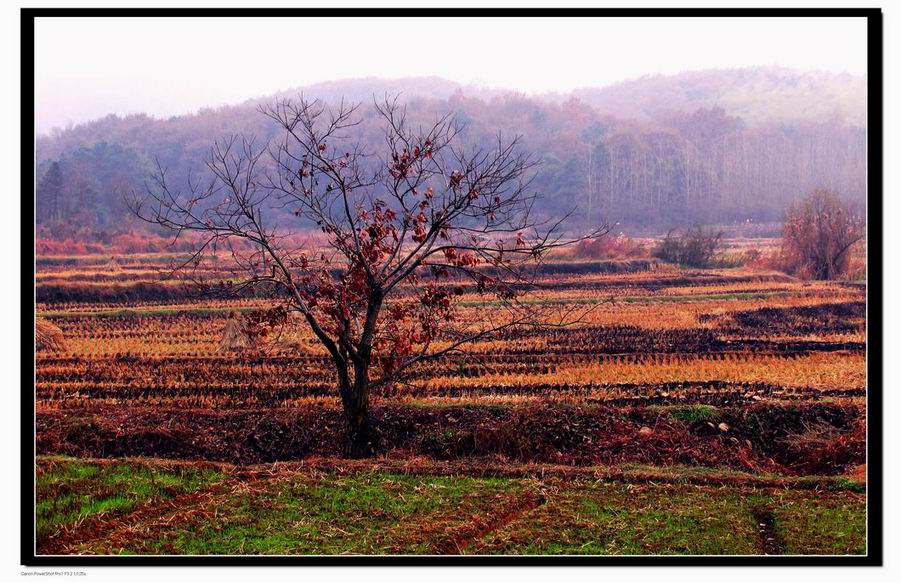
<point>234,336</point>
<point>112,265</point>
<point>48,336</point>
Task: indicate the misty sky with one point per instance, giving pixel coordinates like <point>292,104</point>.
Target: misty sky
<point>86,68</point>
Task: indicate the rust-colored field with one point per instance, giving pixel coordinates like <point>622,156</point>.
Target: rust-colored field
<point>729,370</point>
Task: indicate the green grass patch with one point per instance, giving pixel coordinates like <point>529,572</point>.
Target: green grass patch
<point>368,513</point>
<point>810,523</point>
<point>691,414</point>
<point>688,472</point>
<point>378,512</point>
<point>839,484</point>
<point>70,490</point>
<point>610,518</point>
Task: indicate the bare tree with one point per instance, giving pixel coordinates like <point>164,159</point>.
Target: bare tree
<point>404,236</point>
<point>818,234</point>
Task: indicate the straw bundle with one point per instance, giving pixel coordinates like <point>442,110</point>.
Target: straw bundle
<point>48,336</point>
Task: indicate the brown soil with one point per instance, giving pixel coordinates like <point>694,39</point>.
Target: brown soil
<point>759,437</point>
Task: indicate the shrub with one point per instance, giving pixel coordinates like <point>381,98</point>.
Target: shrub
<point>120,242</point>
<point>818,236</point>
<point>695,247</point>
<point>618,247</point>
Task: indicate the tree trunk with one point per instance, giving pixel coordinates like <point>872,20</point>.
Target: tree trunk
<point>358,441</point>
<point>359,436</point>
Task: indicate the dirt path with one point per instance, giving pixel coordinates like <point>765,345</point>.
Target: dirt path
<point>769,542</point>
<point>470,533</point>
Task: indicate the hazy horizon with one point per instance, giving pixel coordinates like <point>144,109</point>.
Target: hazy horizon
<point>79,79</point>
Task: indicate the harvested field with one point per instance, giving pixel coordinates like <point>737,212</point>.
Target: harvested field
<point>727,393</point>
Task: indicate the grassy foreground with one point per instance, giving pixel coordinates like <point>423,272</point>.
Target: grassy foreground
<point>148,507</point>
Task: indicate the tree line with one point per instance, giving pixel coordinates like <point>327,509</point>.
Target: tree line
<point>679,168</point>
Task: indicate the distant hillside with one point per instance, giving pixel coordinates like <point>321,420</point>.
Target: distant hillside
<point>757,95</point>
<point>364,89</point>
<point>708,147</point>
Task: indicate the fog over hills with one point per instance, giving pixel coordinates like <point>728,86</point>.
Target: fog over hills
<point>757,95</point>
<point>703,146</point>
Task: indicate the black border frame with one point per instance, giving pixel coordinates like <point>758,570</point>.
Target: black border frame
<point>874,557</point>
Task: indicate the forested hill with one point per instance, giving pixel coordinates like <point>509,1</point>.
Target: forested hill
<point>758,95</point>
<point>703,147</point>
